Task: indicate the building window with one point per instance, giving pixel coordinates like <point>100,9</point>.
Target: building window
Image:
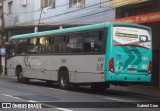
<point>10,7</point>
<point>77,3</point>
<point>24,2</point>
<point>106,3</point>
<point>47,3</point>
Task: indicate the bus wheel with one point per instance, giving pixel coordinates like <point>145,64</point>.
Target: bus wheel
<point>20,76</point>
<point>98,86</point>
<point>64,80</point>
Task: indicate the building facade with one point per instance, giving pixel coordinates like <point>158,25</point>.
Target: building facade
<point>37,15</point>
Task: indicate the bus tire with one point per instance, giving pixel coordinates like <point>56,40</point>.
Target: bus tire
<point>20,78</point>
<point>98,86</point>
<point>64,80</point>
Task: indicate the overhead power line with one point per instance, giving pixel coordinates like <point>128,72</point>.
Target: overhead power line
<point>85,8</point>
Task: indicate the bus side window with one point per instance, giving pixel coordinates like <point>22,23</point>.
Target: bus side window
<point>92,41</point>
<point>74,43</point>
<point>44,45</point>
<point>48,45</point>
<point>11,50</point>
<point>86,47</point>
<point>22,46</point>
<point>58,44</point>
<point>41,45</point>
<point>33,48</point>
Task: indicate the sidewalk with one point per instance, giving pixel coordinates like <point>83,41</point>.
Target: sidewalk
<point>141,90</point>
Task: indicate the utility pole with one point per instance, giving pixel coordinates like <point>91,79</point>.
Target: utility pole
<point>43,10</point>
<point>40,17</point>
<point>2,34</point>
<point>3,23</point>
<point>37,27</point>
<point>2,16</point>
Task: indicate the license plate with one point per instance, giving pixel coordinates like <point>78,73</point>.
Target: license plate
<point>132,71</point>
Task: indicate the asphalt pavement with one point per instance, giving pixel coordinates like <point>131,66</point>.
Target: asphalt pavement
<point>51,95</point>
<point>139,89</point>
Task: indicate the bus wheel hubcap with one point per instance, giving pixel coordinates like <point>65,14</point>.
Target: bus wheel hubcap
<point>63,81</point>
<point>20,76</point>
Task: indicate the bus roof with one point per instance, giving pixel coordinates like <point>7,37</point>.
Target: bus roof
<point>69,30</point>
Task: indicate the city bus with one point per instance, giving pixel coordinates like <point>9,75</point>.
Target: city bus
<point>96,55</point>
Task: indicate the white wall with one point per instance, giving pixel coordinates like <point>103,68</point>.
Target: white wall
<point>50,16</point>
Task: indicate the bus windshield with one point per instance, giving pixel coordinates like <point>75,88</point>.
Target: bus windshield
<point>131,36</point>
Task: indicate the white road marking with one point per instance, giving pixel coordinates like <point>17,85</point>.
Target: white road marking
<point>12,96</point>
<point>62,109</point>
<point>121,100</point>
<point>32,101</point>
<point>59,90</point>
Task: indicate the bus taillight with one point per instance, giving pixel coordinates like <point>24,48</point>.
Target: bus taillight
<point>150,67</point>
<point>111,65</point>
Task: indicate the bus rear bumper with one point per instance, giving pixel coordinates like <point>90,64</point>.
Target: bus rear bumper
<point>128,77</point>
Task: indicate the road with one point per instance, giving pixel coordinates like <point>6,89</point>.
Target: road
<point>82,99</point>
